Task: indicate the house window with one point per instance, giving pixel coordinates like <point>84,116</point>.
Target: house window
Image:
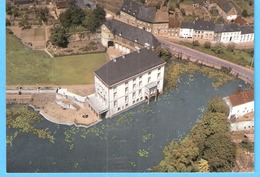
<point>158,83</point>
<point>141,98</point>
<point>140,77</point>
<point>115,103</point>
<point>140,83</point>
<point>114,89</point>
<point>115,95</point>
<point>126,105</point>
<point>126,99</point>
<point>118,108</point>
<point>149,73</point>
<point>158,75</point>
<point>134,95</point>
<point>126,83</point>
<point>149,79</point>
<point>133,101</point>
<point>134,79</point>
<point>126,90</point>
<point>137,100</point>
<point>134,85</point>
<point>159,68</point>
<point>140,92</point>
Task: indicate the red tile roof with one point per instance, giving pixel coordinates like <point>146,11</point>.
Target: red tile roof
<point>242,97</point>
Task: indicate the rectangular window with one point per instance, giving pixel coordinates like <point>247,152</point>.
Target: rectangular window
<point>149,73</point>
<point>118,109</point>
<point>149,79</point>
<point>158,75</point>
<point>115,103</point>
<point>126,99</point>
<point>140,77</point>
<point>140,83</point>
<point>140,92</point>
<point>159,68</point>
<point>134,85</point>
<point>115,95</point>
<point>126,90</point>
<point>126,105</point>
<point>134,95</point>
<point>134,79</point>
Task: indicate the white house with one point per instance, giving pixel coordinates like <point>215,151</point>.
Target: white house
<point>240,103</point>
<point>226,33</point>
<point>126,81</point>
<point>247,34</point>
<point>186,30</point>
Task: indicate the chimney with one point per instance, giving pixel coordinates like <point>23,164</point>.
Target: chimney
<point>239,89</point>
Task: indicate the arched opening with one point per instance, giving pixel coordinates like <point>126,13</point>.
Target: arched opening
<point>110,43</point>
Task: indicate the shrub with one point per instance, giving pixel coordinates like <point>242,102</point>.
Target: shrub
<point>207,45</point>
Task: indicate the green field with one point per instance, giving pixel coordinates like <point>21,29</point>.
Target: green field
<point>27,67</point>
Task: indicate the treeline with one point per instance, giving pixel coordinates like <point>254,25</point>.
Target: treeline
<point>208,148</point>
<point>90,20</point>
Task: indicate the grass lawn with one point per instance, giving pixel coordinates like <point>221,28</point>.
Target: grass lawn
<point>240,57</point>
<point>24,66</point>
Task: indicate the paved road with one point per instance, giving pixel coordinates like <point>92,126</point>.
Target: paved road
<point>246,73</point>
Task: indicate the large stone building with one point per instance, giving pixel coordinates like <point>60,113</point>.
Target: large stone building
<point>126,81</point>
<point>146,18</point>
<point>125,37</point>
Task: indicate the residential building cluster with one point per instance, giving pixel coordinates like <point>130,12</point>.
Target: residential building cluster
<point>158,22</point>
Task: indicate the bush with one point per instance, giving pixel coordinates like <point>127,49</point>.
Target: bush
<point>207,45</point>
<point>196,43</point>
<point>165,54</point>
<point>249,146</point>
<point>218,49</point>
<point>230,48</point>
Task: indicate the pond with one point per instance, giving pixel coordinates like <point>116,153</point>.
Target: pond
<point>130,142</point>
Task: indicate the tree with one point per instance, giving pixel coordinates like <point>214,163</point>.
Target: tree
<point>203,165</point>
<point>165,54</point>
<point>24,23</point>
<point>42,14</point>
<point>183,12</point>
<point>7,22</point>
<point>9,9</point>
<point>217,104</point>
<point>244,13</point>
<point>100,15</point>
<point>73,16</point>
<point>59,37</point>
<point>94,19</point>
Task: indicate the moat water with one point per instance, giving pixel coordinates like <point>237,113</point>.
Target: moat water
<point>130,142</point>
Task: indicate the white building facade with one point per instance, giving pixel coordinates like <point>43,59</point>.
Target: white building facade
<point>240,103</point>
<point>116,90</point>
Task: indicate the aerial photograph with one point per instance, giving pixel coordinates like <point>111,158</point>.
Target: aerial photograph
<point>129,86</point>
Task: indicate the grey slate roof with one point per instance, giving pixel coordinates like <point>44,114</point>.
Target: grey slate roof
<point>232,27</point>
<point>204,25</point>
<point>224,5</point>
<point>139,11</point>
<point>246,30</point>
<point>189,25</point>
<point>128,66</point>
<point>132,33</point>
